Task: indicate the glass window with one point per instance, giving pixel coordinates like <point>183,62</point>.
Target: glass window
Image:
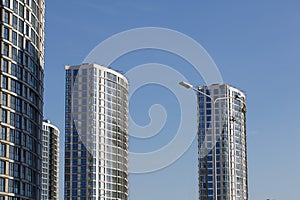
<point>4,99</point>
<point>18,88</point>
<point>15,6</point>
<point>6,33</point>
<point>5,50</point>
<point>6,3</point>
<point>13,85</point>
<point>20,41</point>
<point>3,133</point>
<point>2,167</point>
<point>18,105</point>
<point>13,69</point>
<point>14,54</point>
<point>2,150</point>
<point>21,26</point>
<point>2,184</point>
<point>208,118</point>
<point>11,186</point>
<point>12,102</point>
<point>6,17</point>
<point>12,119</point>
<point>14,38</point>
<point>4,116</point>
<point>21,10</point>
<point>5,66</point>
<point>15,22</point>
<point>20,57</point>
<point>209,158</point>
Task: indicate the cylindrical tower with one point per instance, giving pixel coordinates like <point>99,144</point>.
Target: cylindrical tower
<point>222,143</point>
<point>96,150</point>
<point>22,72</point>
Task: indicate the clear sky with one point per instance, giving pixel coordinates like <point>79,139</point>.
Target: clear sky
<point>256,46</point>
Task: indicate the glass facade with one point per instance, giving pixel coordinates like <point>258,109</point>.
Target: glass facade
<point>222,144</point>
<point>50,162</point>
<point>96,133</point>
<point>21,98</point>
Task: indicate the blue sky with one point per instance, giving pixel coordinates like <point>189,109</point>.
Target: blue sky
<point>256,46</point>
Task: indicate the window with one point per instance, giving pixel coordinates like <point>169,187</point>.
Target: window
<point>2,184</point>
<point>3,133</point>
<point>6,3</point>
<point>5,50</point>
<point>15,136</point>
<point>5,66</point>
<point>14,54</point>
<point>13,102</point>
<point>21,26</point>
<point>208,118</point>
<point>15,6</point>
<point>2,150</point>
<point>20,57</point>
<point>11,186</point>
<point>20,41</point>
<point>13,85</point>
<point>15,22</point>
<point>4,116</point>
<point>14,153</point>
<point>21,10</point>
<point>23,136</point>
<point>27,13</point>
<point>14,38</point>
<point>13,69</point>
<point>2,167</point>
<point>18,88</point>
<point>12,119</point>
<point>209,158</point>
<point>74,184</point>
<point>16,187</point>
<point>4,99</point>
<point>6,17</point>
<point>18,104</point>
<point>6,33</point>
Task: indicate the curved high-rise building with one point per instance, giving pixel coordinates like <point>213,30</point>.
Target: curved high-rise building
<point>22,72</point>
<point>50,162</point>
<point>96,133</point>
<point>222,143</point>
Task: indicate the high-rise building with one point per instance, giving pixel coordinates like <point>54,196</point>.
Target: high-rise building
<point>21,106</point>
<point>96,133</point>
<point>222,143</point>
<point>50,163</point>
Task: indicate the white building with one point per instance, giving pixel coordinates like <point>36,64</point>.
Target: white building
<point>50,161</point>
<point>96,150</point>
